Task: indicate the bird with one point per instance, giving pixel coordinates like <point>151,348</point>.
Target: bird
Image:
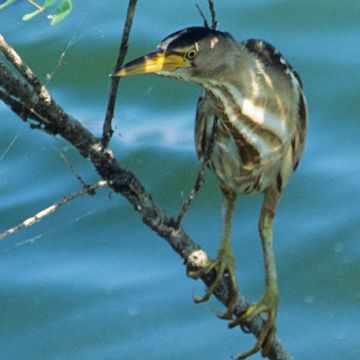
<point>256,99</point>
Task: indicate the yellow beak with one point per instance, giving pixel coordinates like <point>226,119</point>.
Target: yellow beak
<point>154,62</point>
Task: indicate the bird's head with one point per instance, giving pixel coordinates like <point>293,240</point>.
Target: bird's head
<point>192,54</point>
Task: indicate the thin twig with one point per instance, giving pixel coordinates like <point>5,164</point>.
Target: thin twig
<point>72,169</point>
<point>52,208</point>
<point>206,24</point>
<point>213,14</point>
<point>24,70</point>
<point>200,180</point>
<point>107,127</point>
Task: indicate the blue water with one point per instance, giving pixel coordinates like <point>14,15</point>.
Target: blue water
<point>93,282</point>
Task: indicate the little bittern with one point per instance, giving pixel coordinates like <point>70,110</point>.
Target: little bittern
<point>257,99</point>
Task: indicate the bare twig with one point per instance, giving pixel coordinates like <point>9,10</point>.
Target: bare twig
<point>52,208</point>
<point>72,169</point>
<point>200,180</point>
<point>107,127</point>
<point>24,70</point>
<point>206,24</point>
<point>213,14</point>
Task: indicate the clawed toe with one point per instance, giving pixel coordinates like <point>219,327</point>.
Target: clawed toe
<point>264,342</point>
<point>224,264</point>
<point>267,333</point>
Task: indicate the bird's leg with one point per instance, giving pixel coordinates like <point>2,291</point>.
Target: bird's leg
<point>268,304</point>
<point>224,263</point>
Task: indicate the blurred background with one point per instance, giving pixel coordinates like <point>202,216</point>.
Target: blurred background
<point>93,282</point>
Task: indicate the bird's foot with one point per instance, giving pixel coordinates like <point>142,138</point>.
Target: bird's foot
<point>268,305</point>
<point>223,265</point>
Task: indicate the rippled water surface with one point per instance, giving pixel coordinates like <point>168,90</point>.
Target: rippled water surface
<point>93,282</point>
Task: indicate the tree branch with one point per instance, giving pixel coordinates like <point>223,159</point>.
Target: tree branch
<point>24,70</point>
<point>35,102</point>
<point>107,127</point>
<point>52,208</point>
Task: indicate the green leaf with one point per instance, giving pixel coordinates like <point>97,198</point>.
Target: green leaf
<point>31,15</point>
<point>49,3</point>
<point>6,3</point>
<point>62,11</point>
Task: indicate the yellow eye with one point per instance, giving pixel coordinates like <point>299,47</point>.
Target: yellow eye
<point>190,55</point>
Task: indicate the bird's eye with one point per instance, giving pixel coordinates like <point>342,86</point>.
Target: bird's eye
<point>190,55</point>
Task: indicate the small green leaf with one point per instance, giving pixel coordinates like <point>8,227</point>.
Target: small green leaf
<point>6,3</point>
<point>62,11</point>
<point>31,15</point>
<point>49,3</point>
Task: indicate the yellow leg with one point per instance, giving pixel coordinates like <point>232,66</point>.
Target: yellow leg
<point>224,262</point>
<point>268,304</point>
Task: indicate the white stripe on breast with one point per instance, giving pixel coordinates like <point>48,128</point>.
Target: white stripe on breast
<point>259,115</point>
<point>263,147</point>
